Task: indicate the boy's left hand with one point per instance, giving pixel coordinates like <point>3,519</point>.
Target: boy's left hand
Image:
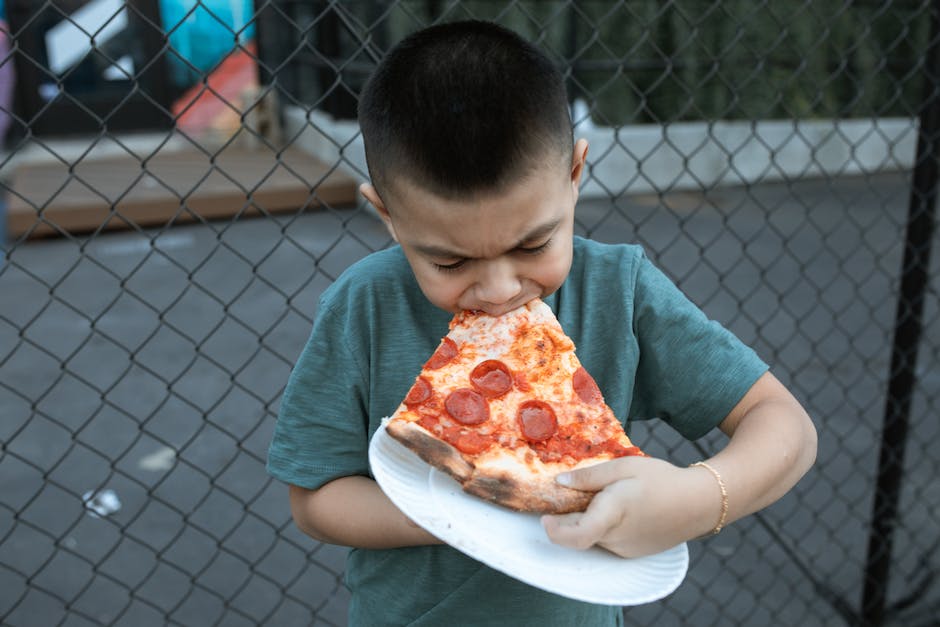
<point>644,506</point>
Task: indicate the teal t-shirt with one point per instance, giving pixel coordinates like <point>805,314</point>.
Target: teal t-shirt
<point>652,352</point>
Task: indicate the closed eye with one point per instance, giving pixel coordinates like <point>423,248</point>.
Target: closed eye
<point>450,267</point>
<point>525,250</point>
<point>534,250</point>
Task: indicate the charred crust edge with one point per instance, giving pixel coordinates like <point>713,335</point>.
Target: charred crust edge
<point>542,496</point>
<point>435,452</point>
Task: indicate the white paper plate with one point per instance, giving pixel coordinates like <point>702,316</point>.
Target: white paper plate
<point>515,543</point>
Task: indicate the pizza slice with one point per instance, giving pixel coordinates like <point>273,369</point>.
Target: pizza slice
<point>504,405</point>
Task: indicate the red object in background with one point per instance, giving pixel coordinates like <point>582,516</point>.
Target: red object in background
<point>217,103</point>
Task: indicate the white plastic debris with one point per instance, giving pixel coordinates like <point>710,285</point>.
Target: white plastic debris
<point>161,459</point>
<point>101,503</point>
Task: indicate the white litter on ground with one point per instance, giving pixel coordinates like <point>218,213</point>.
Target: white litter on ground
<point>161,459</point>
<point>101,503</point>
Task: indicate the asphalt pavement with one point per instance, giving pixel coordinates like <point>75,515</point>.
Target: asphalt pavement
<point>140,373</point>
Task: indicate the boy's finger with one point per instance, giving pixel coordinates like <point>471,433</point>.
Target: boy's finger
<point>575,531</point>
<point>582,530</point>
<point>599,476</point>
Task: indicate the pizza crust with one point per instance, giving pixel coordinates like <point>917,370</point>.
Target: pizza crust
<point>434,451</point>
<point>540,495</point>
<point>498,478</point>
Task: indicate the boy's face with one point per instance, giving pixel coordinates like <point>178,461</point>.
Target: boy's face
<point>493,253</point>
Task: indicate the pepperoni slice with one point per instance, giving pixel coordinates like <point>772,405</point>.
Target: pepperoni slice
<point>467,406</point>
<point>444,353</point>
<point>537,420</point>
<point>491,378</point>
<point>419,392</point>
<point>586,388</point>
<point>472,443</point>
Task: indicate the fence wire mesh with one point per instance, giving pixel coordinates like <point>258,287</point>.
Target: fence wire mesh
<point>170,228</point>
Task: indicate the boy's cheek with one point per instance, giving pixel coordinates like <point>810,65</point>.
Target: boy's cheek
<point>443,292</point>
<point>431,285</point>
<point>555,271</point>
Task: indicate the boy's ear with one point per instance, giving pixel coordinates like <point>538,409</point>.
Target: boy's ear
<point>578,162</point>
<point>368,191</point>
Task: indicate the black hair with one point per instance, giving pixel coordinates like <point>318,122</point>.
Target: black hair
<point>462,108</point>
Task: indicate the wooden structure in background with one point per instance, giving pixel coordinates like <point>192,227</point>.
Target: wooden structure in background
<point>172,187</point>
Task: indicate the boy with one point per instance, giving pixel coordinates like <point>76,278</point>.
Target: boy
<point>475,173</point>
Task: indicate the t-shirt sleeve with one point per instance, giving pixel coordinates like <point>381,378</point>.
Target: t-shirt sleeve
<point>322,426</point>
<point>691,371</point>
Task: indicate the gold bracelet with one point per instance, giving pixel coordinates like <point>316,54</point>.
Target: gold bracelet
<point>724,497</point>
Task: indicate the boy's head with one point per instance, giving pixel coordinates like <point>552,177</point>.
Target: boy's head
<point>461,109</point>
<point>469,146</point>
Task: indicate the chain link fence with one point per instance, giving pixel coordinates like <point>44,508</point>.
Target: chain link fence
<point>179,184</point>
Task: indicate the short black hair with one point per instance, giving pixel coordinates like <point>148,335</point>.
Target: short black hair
<point>462,108</point>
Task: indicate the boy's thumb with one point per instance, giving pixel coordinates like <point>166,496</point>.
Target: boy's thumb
<point>598,476</point>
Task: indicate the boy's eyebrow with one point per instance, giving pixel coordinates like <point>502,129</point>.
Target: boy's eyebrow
<point>537,233</point>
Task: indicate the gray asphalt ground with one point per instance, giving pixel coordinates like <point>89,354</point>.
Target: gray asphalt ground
<point>151,364</point>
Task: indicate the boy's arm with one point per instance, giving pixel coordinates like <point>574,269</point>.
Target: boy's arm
<point>353,511</point>
<point>648,505</point>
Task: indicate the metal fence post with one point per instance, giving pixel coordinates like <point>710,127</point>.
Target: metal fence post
<point>907,334</point>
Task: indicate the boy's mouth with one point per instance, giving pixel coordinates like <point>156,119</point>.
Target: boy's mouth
<point>499,311</point>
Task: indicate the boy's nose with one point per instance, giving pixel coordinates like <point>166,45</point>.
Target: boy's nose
<point>499,283</point>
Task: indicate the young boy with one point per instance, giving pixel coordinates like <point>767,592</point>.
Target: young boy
<point>475,173</point>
